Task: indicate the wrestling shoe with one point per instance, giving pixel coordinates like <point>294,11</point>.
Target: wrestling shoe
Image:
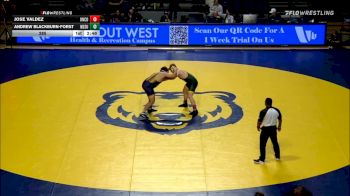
<point>194,113</point>
<point>151,110</point>
<point>183,105</point>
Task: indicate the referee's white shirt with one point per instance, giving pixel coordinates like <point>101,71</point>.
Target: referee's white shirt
<point>270,118</point>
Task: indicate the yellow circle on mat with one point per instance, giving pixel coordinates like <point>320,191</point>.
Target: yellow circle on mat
<point>49,129</point>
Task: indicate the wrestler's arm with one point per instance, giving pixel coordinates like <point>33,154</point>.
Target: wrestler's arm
<point>170,76</point>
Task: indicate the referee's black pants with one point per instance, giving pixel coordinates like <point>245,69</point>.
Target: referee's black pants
<point>266,133</point>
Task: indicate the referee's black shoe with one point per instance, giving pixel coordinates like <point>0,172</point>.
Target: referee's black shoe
<point>258,161</point>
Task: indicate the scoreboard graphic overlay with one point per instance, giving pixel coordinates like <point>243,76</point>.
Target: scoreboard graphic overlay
<point>56,25</point>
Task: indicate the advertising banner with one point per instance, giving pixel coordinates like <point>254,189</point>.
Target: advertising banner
<point>193,35</point>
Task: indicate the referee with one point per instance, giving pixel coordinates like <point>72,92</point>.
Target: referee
<point>268,125</point>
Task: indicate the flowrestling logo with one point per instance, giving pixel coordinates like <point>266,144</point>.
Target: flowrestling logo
<point>305,36</point>
<point>119,109</point>
<point>309,12</point>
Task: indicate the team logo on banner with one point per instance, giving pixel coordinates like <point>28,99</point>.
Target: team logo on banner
<point>305,36</point>
<point>216,109</point>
